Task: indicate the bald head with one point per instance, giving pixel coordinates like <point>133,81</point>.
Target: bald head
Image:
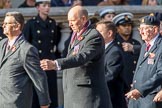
<point>77,17</point>
<point>78,11</point>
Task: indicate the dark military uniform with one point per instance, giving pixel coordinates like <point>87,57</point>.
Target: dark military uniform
<point>42,34</point>
<point>2,36</point>
<point>130,60</point>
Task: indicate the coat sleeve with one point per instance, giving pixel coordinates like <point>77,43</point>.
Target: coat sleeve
<point>92,49</point>
<point>37,75</point>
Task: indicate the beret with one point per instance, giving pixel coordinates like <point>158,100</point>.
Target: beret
<point>105,11</point>
<point>123,18</point>
<point>150,20</point>
<point>37,1</point>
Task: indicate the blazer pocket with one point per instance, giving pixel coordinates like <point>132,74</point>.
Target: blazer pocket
<point>83,81</point>
<point>14,88</point>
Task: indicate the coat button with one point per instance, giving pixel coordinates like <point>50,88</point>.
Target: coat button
<point>34,18</point>
<point>40,51</point>
<point>39,41</point>
<point>134,62</point>
<point>51,41</point>
<point>52,31</point>
<point>50,21</point>
<point>0,38</point>
<point>134,81</point>
<point>51,51</point>
<point>38,31</point>
<point>118,43</point>
<point>133,43</point>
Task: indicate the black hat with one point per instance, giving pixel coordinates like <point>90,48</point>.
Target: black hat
<point>150,20</point>
<point>123,18</point>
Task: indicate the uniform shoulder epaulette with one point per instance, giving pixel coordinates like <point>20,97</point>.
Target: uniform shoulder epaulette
<point>34,18</point>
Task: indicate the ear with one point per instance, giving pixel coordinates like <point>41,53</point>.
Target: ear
<point>17,27</point>
<point>84,18</point>
<point>110,32</point>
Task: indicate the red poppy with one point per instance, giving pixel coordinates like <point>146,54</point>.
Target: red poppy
<point>13,48</point>
<point>80,38</point>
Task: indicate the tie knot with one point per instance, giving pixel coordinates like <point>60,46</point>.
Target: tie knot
<point>148,46</point>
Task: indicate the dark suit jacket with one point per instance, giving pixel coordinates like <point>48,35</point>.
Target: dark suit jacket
<point>130,60</point>
<point>83,76</point>
<point>43,35</point>
<point>113,73</point>
<point>148,76</point>
<point>19,71</point>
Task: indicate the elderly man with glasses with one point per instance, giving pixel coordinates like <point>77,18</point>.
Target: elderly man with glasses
<point>148,75</point>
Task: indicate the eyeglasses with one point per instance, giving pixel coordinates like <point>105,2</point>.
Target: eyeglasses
<point>8,23</point>
<point>145,28</point>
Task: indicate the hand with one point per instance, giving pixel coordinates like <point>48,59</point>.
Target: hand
<point>134,94</point>
<point>127,47</point>
<point>48,64</point>
<point>158,97</point>
<point>46,106</point>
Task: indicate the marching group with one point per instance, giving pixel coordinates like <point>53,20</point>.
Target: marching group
<point>107,65</point>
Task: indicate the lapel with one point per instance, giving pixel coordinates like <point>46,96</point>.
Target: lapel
<point>13,50</point>
<point>78,40</point>
<point>154,47</point>
<point>109,47</point>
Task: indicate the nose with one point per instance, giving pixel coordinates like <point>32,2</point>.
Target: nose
<point>70,24</point>
<point>3,25</point>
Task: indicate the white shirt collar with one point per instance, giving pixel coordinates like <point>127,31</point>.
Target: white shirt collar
<point>153,41</point>
<point>107,44</point>
<point>11,42</point>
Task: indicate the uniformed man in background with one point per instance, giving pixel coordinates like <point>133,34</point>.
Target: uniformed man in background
<point>2,36</point>
<point>130,47</point>
<point>41,32</point>
<point>107,14</point>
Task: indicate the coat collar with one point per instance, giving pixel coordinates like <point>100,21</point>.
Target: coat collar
<point>77,41</point>
<point>156,45</point>
<point>13,49</point>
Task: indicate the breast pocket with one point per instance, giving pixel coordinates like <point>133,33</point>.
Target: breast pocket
<point>83,82</point>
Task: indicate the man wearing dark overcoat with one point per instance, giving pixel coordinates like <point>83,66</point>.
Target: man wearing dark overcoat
<point>84,82</point>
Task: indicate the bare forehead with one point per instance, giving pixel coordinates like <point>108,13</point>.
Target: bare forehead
<point>72,15</point>
<point>9,18</point>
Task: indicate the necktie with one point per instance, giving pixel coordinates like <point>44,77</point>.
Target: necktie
<point>147,47</point>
